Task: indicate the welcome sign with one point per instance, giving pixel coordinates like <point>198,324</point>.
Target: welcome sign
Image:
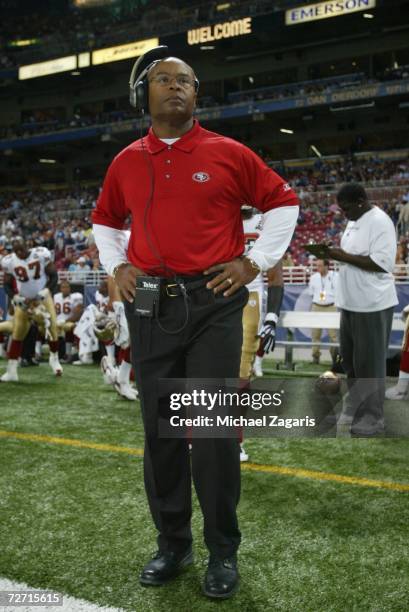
<point>325,10</point>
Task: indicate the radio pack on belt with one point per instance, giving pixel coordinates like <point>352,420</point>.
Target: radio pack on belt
<point>147,296</point>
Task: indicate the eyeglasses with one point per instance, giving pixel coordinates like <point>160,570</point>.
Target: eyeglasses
<point>164,79</point>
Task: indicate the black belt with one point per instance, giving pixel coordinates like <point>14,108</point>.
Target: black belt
<point>190,283</point>
<point>323,305</point>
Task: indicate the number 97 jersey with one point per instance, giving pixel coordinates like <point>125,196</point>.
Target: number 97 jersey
<point>29,273</point>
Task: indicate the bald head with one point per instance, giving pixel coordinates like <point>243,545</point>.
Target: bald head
<point>163,65</point>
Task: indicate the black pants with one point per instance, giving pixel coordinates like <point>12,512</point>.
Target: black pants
<point>208,347</point>
<point>364,338</point>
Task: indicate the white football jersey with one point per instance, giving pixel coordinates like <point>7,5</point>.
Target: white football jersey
<point>101,301</point>
<point>65,305</point>
<point>252,230</point>
<point>29,273</point>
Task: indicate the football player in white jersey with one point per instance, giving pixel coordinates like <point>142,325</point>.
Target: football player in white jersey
<point>93,320</point>
<point>68,307</point>
<point>102,296</point>
<point>36,279</point>
<point>119,377</point>
<point>260,316</point>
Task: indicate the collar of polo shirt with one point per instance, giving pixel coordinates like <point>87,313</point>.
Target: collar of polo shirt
<point>186,143</point>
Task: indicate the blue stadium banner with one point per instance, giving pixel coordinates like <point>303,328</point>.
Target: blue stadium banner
<point>350,95</point>
<point>325,10</point>
<point>296,297</point>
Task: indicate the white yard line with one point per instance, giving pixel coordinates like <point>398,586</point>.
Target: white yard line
<point>70,604</point>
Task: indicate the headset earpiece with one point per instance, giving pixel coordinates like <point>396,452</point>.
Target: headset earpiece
<point>138,87</point>
<point>141,91</point>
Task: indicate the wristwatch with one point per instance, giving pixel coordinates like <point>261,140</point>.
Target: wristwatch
<point>115,270</point>
<point>253,264</point>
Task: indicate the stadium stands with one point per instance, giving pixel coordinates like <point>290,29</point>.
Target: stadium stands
<point>60,219</point>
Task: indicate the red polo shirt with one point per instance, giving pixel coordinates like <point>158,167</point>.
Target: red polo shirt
<point>200,183</point>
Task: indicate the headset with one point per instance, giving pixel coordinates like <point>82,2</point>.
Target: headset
<point>138,82</point>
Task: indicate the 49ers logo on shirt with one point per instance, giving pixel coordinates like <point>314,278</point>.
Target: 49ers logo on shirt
<point>200,177</point>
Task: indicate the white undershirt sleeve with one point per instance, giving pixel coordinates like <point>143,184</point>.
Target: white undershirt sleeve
<point>278,228</point>
<point>112,245</point>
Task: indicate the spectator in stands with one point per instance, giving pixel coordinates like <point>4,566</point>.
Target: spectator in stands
<point>96,266</point>
<point>403,221</point>
<point>80,239</point>
<point>332,231</point>
<point>59,244</point>
<point>78,270</point>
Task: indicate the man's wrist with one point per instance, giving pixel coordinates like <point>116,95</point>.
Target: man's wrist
<point>337,254</point>
<point>254,265</point>
<point>271,317</point>
<point>117,267</point>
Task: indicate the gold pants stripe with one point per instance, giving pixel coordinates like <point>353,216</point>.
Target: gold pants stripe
<point>251,318</point>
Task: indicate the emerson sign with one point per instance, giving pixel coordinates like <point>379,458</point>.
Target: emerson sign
<point>229,29</point>
<point>324,10</point>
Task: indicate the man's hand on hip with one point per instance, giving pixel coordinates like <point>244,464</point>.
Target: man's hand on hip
<point>125,279</point>
<point>232,275</point>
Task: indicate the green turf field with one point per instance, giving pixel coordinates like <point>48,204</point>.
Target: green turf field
<point>74,519</point>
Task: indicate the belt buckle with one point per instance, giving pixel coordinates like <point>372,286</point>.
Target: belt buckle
<point>172,295</point>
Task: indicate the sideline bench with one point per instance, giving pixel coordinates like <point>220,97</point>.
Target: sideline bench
<point>297,319</point>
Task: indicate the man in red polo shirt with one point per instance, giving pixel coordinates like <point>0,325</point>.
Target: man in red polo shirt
<point>183,187</point>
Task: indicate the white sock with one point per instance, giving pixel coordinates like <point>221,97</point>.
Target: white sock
<point>124,373</point>
<point>12,366</point>
<point>403,383</point>
<point>403,375</point>
<point>38,347</point>
<point>110,349</point>
<point>68,348</point>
